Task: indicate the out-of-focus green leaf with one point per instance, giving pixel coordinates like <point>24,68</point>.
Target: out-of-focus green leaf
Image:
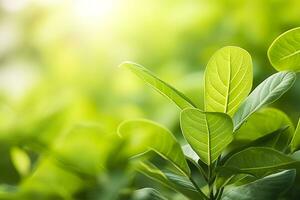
<point>273,120</point>
<point>144,135</point>
<point>267,188</point>
<point>265,93</point>
<point>21,160</point>
<point>8,192</point>
<point>147,194</point>
<point>46,182</point>
<point>207,133</point>
<point>176,182</point>
<point>162,87</point>
<point>284,52</point>
<point>85,148</point>
<point>295,143</point>
<point>228,80</point>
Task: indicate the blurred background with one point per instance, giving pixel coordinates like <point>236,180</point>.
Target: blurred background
<point>62,94</point>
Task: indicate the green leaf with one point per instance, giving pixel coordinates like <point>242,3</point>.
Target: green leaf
<point>273,119</point>
<point>8,192</point>
<point>147,194</point>
<point>190,153</point>
<point>228,80</point>
<point>265,93</point>
<point>207,133</point>
<point>20,160</point>
<point>162,87</point>
<point>267,188</point>
<point>284,52</point>
<point>238,145</point>
<point>144,135</point>
<point>295,143</point>
<point>259,161</point>
<point>176,182</point>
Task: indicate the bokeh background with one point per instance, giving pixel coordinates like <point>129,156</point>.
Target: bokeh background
<point>62,94</point>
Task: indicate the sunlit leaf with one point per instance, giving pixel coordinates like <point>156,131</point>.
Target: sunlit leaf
<point>228,80</point>
<point>162,87</point>
<point>207,133</point>
<point>265,93</point>
<point>143,135</point>
<point>284,52</point>
<point>295,143</point>
<point>267,188</point>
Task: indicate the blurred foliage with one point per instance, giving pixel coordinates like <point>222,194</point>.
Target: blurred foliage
<point>62,93</point>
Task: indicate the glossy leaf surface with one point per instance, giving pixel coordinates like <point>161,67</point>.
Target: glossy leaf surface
<point>228,80</point>
<point>207,133</point>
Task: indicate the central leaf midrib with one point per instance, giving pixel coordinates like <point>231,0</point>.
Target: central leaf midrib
<point>228,83</point>
<point>208,141</point>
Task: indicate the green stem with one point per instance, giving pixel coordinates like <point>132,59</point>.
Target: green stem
<point>219,195</point>
<point>198,189</point>
<point>202,171</point>
<point>210,182</point>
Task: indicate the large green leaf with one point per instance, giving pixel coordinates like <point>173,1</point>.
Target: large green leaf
<point>265,93</point>
<point>228,79</point>
<point>259,161</point>
<point>162,87</point>
<point>295,143</point>
<point>284,52</point>
<point>267,188</point>
<point>145,135</point>
<point>273,120</point>
<point>207,133</point>
<point>176,182</point>
<point>264,141</point>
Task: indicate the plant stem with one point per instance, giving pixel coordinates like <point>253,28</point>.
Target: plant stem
<point>210,185</point>
<point>219,194</point>
<point>202,172</point>
<point>198,189</point>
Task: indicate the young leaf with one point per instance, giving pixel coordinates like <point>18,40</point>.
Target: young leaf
<point>228,80</point>
<point>284,52</point>
<point>145,135</point>
<point>207,133</point>
<point>147,194</point>
<point>265,93</point>
<point>259,161</point>
<point>162,87</point>
<point>269,187</point>
<point>175,182</point>
<point>295,143</point>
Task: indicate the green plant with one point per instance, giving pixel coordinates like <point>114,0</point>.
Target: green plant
<point>235,159</point>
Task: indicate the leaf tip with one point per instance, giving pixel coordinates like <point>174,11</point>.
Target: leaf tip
<point>127,64</point>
